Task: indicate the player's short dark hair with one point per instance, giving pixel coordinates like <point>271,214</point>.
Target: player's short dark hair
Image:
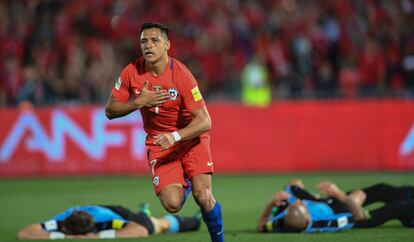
<point>149,25</point>
<point>79,222</point>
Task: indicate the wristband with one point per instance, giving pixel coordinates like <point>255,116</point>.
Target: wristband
<point>56,235</point>
<point>107,234</point>
<point>176,136</point>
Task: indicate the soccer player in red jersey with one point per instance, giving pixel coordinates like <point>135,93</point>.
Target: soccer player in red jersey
<point>176,121</point>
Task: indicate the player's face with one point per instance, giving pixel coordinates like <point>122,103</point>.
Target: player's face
<point>153,44</point>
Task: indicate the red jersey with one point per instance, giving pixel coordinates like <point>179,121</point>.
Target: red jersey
<point>174,114</point>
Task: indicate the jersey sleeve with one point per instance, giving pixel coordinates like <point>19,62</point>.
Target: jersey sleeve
<point>302,194</point>
<point>63,215</point>
<point>190,94</point>
<point>122,89</point>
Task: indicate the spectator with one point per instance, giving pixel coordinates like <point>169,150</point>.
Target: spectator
<point>303,43</point>
<point>256,90</point>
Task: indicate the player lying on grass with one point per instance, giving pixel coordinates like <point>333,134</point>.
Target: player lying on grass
<point>107,222</point>
<point>297,210</point>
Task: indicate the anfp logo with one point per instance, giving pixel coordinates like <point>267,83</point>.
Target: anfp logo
<point>407,146</point>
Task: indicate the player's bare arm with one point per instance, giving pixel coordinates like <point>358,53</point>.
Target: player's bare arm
<point>131,230</point>
<point>36,232</point>
<point>200,124</point>
<point>297,182</point>
<point>331,189</point>
<point>146,98</point>
<point>328,188</point>
<point>33,231</point>
<point>358,196</point>
<point>278,199</point>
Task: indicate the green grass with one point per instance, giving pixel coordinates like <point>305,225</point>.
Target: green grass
<point>242,197</point>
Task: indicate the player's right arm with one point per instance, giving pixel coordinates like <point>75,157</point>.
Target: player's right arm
<point>277,200</point>
<point>130,230</point>
<point>119,105</point>
<point>116,109</point>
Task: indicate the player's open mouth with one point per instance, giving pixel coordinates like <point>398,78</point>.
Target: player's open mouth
<point>149,54</point>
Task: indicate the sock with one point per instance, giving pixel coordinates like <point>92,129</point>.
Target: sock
<point>214,223</point>
<point>174,223</point>
<point>187,191</point>
<point>182,224</point>
<point>187,223</point>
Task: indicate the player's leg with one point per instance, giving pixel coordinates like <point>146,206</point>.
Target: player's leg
<point>187,191</point>
<point>401,210</point>
<point>169,184</point>
<point>202,191</point>
<point>199,167</point>
<point>171,197</point>
<point>387,193</point>
<point>210,208</point>
<point>175,224</point>
<point>168,223</point>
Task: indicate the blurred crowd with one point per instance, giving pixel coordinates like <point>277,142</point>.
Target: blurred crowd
<point>57,51</point>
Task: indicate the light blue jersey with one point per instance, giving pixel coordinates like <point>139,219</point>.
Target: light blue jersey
<point>322,217</point>
<point>98,213</point>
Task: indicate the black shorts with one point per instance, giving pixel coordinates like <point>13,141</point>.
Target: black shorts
<point>139,218</point>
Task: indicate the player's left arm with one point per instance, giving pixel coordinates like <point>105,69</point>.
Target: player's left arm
<point>200,124</point>
<point>331,189</point>
<point>192,100</point>
<point>130,230</point>
<point>36,232</point>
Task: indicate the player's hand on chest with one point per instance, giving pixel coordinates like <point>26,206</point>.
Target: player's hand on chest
<point>165,96</point>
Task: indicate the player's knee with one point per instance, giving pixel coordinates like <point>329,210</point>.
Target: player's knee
<point>172,205</point>
<point>204,198</point>
<point>172,208</point>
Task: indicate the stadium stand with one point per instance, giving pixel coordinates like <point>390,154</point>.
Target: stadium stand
<point>55,51</point>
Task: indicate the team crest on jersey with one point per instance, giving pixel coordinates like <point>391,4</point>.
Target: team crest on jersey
<point>156,180</point>
<point>173,93</point>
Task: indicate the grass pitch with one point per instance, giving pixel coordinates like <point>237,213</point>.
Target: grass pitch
<point>242,197</point>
